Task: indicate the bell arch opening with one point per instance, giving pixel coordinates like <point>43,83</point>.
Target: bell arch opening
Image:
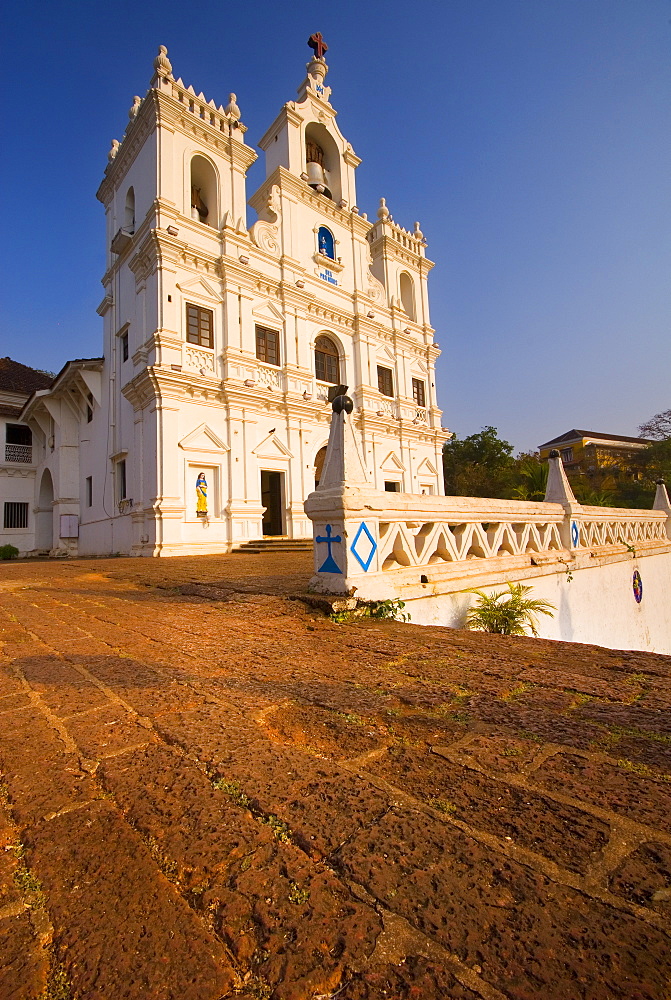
<point>322,161</point>
<point>129,211</point>
<point>407,289</point>
<point>204,188</point>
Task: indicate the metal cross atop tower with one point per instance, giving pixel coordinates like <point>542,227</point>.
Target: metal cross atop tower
<point>317,44</point>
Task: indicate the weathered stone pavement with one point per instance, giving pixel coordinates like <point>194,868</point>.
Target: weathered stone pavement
<point>209,790</point>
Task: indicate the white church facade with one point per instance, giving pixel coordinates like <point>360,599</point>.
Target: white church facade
<point>204,423</point>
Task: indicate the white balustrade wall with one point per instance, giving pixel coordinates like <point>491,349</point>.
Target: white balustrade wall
<point>431,551</point>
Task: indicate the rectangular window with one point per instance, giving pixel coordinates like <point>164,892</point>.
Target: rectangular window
<point>89,407</point>
<point>199,326</point>
<point>267,345</point>
<point>89,491</point>
<point>385,381</point>
<point>121,480</point>
<point>16,515</point>
<point>124,346</point>
<point>418,392</point>
<point>567,455</point>
<point>392,487</point>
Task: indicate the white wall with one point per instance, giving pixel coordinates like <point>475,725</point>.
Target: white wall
<point>596,606</point>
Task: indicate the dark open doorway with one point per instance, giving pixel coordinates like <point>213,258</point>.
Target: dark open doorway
<point>271,498</point>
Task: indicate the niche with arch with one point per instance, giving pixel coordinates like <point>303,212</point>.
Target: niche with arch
<point>326,243</point>
<point>322,161</point>
<point>407,289</point>
<point>203,191</point>
<point>327,361</point>
<point>129,211</point>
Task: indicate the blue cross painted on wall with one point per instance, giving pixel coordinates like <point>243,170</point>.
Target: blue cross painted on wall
<point>329,565</point>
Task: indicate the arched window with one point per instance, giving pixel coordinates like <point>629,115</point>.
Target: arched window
<point>203,191</point>
<point>327,367</point>
<point>407,288</point>
<point>129,211</point>
<point>326,242</point>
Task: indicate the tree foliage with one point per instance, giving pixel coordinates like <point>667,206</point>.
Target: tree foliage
<point>658,427</point>
<point>479,466</point>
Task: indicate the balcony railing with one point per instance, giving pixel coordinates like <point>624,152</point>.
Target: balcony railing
<point>20,453</point>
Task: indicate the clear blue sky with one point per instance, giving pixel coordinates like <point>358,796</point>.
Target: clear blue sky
<point>531,138</point>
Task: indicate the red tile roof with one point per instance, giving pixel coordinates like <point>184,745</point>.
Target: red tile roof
<point>15,377</point>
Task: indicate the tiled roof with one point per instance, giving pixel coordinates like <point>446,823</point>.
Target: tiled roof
<point>15,377</point>
<point>7,410</point>
<point>574,435</point>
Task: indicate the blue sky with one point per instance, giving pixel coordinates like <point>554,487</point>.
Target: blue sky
<point>531,139</point>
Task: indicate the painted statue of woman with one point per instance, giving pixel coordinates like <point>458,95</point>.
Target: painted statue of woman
<point>201,495</point>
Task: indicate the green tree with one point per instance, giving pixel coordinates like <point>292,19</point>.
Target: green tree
<point>481,465</point>
<point>657,427</point>
<point>532,478</point>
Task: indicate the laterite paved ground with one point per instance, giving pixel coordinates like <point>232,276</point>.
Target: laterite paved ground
<point>210,790</point>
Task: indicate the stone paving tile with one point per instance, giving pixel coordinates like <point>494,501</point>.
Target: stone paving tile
<point>107,731</point>
<point>499,915</point>
<point>567,836</point>
<point>610,786</point>
<point>24,963</point>
<point>644,877</point>
<point>60,686</point>
<point>120,929</point>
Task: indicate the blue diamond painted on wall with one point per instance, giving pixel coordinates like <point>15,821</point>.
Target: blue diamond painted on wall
<point>363,547</point>
<point>575,534</point>
<point>329,565</point>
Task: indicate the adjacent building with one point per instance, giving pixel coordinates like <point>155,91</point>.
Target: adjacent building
<point>19,457</point>
<point>589,452</point>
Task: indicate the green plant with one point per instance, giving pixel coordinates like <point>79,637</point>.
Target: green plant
<point>507,612</point>
<point>443,805</point>
<point>298,895</point>
<point>8,552</point>
<point>374,609</point>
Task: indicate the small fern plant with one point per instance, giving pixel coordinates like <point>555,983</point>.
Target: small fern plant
<point>507,612</point>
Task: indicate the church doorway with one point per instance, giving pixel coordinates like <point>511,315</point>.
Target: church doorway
<point>272,489</point>
<point>44,518</point>
<point>319,464</point>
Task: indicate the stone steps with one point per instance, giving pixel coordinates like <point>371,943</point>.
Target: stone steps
<point>277,544</point>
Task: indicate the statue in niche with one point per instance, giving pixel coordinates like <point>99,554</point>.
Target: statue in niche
<point>201,495</point>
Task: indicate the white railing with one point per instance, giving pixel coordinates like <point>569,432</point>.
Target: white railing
<point>195,357</point>
<point>460,532</point>
<point>618,526</point>
<point>19,453</point>
<point>269,376</point>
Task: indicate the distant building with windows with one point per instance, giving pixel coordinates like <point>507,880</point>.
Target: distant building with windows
<point>205,422</point>
<point>589,452</point>
<point>19,457</point>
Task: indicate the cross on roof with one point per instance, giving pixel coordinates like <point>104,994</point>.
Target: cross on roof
<point>317,44</point>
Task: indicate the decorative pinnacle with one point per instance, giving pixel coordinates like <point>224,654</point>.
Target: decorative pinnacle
<point>137,101</point>
<point>114,149</point>
<point>418,234</point>
<point>162,64</point>
<point>232,109</point>
<point>383,211</point>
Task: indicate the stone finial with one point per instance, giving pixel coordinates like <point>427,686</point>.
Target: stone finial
<point>343,465</point>
<point>558,489</point>
<point>232,109</point>
<point>418,234</point>
<point>132,113</point>
<point>162,64</point>
<point>662,503</point>
<point>114,149</point>
<point>383,211</point>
